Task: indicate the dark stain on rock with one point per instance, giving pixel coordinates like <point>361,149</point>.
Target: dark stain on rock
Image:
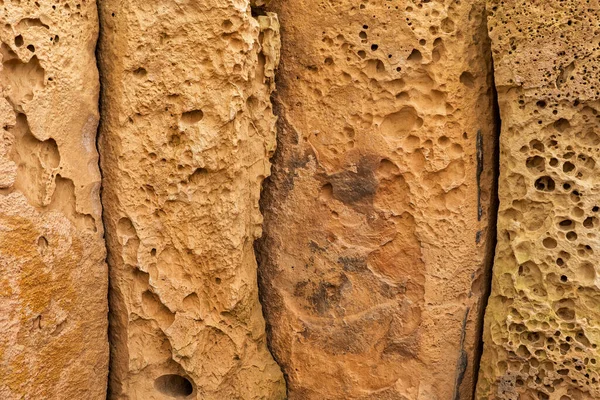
<point>462,361</point>
<point>392,291</point>
<point>286,176</point>
<point>479,145</point>
<point>351,187</point>
<point>327,295</point>
<point>300,289</point>
<point>353,264</point>
<point>287,157</point>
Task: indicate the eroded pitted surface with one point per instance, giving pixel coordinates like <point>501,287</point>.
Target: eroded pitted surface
<point>375,228</point>
<point>542,322</point>
<point>53,279</point>
<point>186,137</point>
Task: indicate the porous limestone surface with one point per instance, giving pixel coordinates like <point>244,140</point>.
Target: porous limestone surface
<point>186,134</point>
<point>377,213</point>
<point>542,324</point>
<point>53,278</point>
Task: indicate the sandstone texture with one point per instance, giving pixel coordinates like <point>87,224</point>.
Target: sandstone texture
<point>53,278</point>
<point>542,323</point>
<point>186,134</point>
<point>377,215</point>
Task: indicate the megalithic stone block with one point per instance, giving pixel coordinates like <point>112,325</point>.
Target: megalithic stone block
<point>542,326</point>
<point>186,135</point>
<point>377,215</point>
<point>53,277</point>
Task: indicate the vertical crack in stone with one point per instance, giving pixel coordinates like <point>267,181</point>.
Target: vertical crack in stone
<point>462,360</point>
<point>266,199</point>
<point>480,166</point>
<point>98,150</point>
<point>493,216</point>
<point>271,50</point>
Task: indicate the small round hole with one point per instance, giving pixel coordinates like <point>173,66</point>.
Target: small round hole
<point>568,167</point>
<point>545,184</point>
<point>173,385</point>
<point>549,243</point>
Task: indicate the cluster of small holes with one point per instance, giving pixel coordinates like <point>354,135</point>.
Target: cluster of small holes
<point>543,357</point>
<point>365,55</point>
<point>429,46</point>
<point>67,9</point>
<point>556,198</point>
<point>557,70</point>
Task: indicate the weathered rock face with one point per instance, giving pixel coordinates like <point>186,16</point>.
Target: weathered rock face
<point>376,216</point>
<point>186,136</point>
<point>543,321</point>
<point>53,278</point>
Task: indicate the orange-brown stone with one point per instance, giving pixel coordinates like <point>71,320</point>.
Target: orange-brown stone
<point>377,214</point>
<point>53,278</point>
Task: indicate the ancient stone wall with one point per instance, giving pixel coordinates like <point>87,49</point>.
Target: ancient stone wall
<point>542,321</point>
<point>53,278</point>
<point>185,140</point>
<point>377,213</point>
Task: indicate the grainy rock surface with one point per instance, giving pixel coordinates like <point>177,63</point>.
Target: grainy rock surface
<point>376,216</point>
<point>542,324</point>
<point>186,135</point>
<point>53,278</point>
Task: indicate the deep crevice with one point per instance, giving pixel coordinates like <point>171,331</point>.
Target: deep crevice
<point>266,190</point>
<point>493,217</point>
<point>97,144</point>
<point>257,11</point>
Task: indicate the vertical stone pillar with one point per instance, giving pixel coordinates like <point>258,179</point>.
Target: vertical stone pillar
<point>542,324</point>
<point>53,278</point>
<point>376,216</point>
<point>185,140</point>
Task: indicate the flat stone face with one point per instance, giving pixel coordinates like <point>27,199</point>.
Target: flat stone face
<point>53,278</point>
<point>542,324</point>
<point>186,137</point>
<point>376,216</point>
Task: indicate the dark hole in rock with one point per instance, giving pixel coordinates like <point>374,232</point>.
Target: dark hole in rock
<point>173,385</point>
<point>545,184</point>
<point>192,117</point>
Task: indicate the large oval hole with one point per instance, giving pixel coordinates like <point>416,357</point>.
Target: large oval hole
<point>173,385</point>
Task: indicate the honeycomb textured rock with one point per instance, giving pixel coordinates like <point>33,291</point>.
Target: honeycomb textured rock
<point>185,138</point>
<point>542,323</point>
<point>53,277</point>
<point>376,216</point>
